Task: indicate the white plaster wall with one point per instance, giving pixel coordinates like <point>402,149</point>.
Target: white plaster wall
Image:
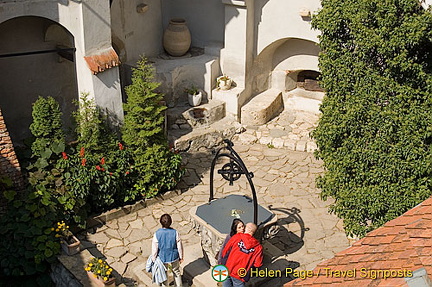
<point>234,52</point>
<point>107,84</point>
<point>66,13</point>
<point>96,25</point>
<point>278,19</point>
<point>296,54</point>
<point>136,34</point>
<point>205,19</point>
<point>90,24</point>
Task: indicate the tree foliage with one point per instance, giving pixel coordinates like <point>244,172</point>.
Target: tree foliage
<point>92,127</point>
<point>159,169</point>
<point>375,132</point>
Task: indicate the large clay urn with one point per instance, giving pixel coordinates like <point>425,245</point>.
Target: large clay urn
<point>177,38</point>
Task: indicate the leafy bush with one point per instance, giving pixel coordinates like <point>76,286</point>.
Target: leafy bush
<point>92,127</point>
<point>28,243</point>
<point>46,125</point>
<point>158,168</point>
<point>93,174</point>
<point>375,132</point>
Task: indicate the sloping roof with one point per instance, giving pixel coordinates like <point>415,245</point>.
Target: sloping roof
<point>102,61</point>
<point>402,244</point>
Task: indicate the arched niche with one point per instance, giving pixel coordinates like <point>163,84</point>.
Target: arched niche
<point>37,59</point>
<point>272,68</point>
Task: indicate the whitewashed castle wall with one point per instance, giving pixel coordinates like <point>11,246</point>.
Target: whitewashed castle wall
<point>89,23</point>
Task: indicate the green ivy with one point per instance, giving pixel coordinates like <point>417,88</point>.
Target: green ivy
<point>28,244</point>
<point>375,132</point>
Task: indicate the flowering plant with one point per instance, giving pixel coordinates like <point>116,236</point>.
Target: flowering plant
<point>99,268</point>
<point>62,231</point>
<point>224,82</point>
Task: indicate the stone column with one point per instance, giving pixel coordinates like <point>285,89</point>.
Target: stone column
<point>237,54</point>
<point>96,61</point>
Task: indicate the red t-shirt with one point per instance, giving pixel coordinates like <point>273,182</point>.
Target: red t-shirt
<point>245,252</point>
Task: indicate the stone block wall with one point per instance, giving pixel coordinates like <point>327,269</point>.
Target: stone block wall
<point>9,165</point>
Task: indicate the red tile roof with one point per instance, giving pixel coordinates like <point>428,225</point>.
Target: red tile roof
<point>401,245</point>
<point>103,61</point>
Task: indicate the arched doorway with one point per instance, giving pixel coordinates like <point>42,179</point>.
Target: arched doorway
<point>36,59</point>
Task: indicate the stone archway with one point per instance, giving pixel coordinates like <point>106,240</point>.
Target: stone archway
<point>37,58</point>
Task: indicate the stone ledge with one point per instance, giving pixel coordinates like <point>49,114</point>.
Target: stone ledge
<point>95,220</point>
<point>231,97</point>
<point>234,3</point>
<point>262,108</point>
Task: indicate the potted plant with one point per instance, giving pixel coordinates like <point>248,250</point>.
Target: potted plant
<point>224,82</point>
<point>194,96</point>
<point>69,243</point>
<point>100,273</point>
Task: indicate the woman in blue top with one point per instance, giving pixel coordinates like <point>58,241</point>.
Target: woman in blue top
<point>167,245</point>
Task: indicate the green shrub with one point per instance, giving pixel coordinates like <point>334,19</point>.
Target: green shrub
<point>28,244</point>
<point>158,168</point>
<point>47,124</point>
<point>375,132</point>
<point>92,127</point>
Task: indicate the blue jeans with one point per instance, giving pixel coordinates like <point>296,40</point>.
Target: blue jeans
<point>233,282</point>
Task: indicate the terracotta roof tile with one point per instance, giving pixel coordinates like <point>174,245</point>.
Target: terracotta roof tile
<point>426,260</point>
<point>102,61</point>
<point>426,251</point>
<point>406,220</point>
<point>419,224</point>
<point>392,282</point>
<point>387,239</point>
<point>404,243</point>
<point>418,242</point>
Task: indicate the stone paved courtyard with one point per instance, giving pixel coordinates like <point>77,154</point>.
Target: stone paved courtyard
<point>285,183</point>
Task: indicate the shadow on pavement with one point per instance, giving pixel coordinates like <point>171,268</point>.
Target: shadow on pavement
<point>286,240</point>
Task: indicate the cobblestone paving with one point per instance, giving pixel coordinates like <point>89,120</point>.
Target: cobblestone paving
<point>284,180</point>
<point>289,130</point>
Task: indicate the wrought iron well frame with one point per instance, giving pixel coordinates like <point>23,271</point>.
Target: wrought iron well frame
<point>232,171</point>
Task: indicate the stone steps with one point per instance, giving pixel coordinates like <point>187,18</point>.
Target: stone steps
<point>262,108</point>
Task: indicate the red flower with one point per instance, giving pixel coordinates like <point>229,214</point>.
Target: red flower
<point>110,173</point>
<point>127,173</point>
<point>120,146</point>
<point>102,162</point>
<point>83,162</point>
<point>98,167</point>
<point>82,152</point>
<point>64,155</point>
